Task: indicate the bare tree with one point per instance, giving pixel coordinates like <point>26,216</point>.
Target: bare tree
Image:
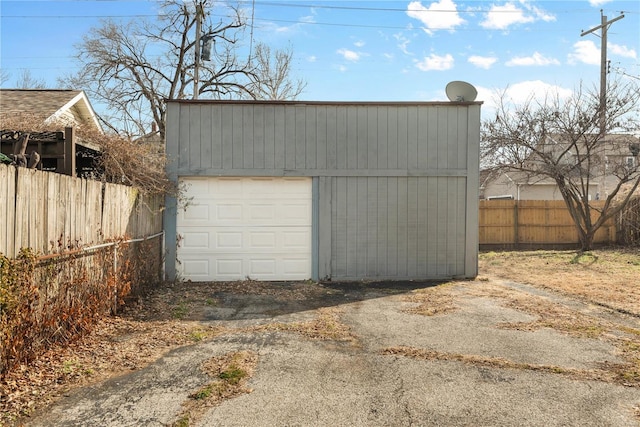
<point>132,69</point>
<point>560,140</point>
<point>27,81</point>
<point>272,75</point>
<point>4,77</point>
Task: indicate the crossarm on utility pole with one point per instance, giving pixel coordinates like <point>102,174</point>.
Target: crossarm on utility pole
<point>604,25</point>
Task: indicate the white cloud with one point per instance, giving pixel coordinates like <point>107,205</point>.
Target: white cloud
<point>312,58</point>
<point>273,27</point>
<point>535,59</point>
<point>598,2</point>
<point>436,63</point>
<point>441,15</point>
<point>535,89</point>
<point>359,43</point>
<point>403,43</point>
<point>483,94</point>
<point>540,15</point>
<point>482,61</point>
<point>520,93</point>
<point>349,55</point>
<point>502,17</point>
<point>585,51</point>
<point>622,51</point>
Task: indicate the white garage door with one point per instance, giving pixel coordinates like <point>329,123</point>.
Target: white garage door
<point>238,228</point>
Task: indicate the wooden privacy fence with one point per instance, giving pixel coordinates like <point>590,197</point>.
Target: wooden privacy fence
<point>71,251</point>
<point>534,223</point>
<point>49,212</point>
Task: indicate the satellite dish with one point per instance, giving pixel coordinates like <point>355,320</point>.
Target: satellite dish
<point>458,91</point>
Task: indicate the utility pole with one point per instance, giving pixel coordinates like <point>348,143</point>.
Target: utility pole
<point>196,71</point>
<point>604,26</point>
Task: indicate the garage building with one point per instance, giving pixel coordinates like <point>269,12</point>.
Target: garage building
<point>285,190</point>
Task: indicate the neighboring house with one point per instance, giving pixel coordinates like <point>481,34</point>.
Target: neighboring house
<point>281,190</point>
<point>68,107</point>
<point>153,138</point>
<point>616,151</point>
<point>60,151</point>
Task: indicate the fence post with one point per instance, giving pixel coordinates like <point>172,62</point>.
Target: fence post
<point>516,232</point>
<point>69,160</point>
<point>115,278</point>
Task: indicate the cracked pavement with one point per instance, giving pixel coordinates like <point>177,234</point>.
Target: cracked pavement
<point>476,373</point>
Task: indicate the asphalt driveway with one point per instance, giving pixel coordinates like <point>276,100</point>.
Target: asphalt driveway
<point>481,353</point>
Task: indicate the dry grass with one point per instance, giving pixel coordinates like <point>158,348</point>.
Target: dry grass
<point>550,314</point>
<point>605,375</point>
<point>607,277</point>
<point>229,374</point>
<point>327,326</point>
<point>432,301</point>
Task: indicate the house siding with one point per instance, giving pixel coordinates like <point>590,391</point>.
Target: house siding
<point>395,184</point>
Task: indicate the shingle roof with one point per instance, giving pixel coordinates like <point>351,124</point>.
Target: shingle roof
<point>47,103</point>
<point>41,103</point>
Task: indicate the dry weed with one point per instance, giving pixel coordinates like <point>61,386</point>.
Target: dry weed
<point>604,375</point>
<point>121,160</point>
<point>432,301</point>
<point>327,326</point>
<point>230,374</point>
<point>550,314</point>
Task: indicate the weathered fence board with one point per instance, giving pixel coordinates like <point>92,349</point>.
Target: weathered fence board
<point>49,212</point>
<point>7,209</point>
<point>527,223</point>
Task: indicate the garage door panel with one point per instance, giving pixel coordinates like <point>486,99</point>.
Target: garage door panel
<point>261,213</point>
<point>272,212</point>
<point>259,268</point>
<point>253,239</point>
<point>298,240</point>
<point>291,213</point>
<point>237,267</point>
<point>227,212</point>
<point>246,227</point>
<point>294,266</point>
<point>262,240</point>
<point>196,240</point>
<point>228,268</point>
<point>196,267</point>
<point>229,187</point>
<point>195,212</point>
<point>197,188</point>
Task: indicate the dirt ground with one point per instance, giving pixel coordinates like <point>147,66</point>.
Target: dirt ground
<point>171,316</point>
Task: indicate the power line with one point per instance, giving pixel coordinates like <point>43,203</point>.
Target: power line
<point>392,9</point>
<point>79,16</point>
<point>286,21</point>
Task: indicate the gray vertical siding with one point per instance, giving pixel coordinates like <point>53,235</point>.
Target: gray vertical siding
<point>396,227</point>
<point>298,139</point>
<point>396,183</point>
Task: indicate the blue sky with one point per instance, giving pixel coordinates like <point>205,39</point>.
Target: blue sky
<point>372,50</point>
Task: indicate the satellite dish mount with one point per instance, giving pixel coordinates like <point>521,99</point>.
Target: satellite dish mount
<point>459,91</point>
